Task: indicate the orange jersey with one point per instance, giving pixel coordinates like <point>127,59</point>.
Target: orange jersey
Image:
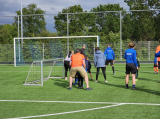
<point>77,60</point>
<point>157,50</point>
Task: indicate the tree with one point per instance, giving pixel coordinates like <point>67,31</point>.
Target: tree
<point>7,34</point>
<point>143,21</point>
<point>157,26</point>
<point>76,21</point>
<point>107,21</point>
<point>32,25</point>
<point>127,28</point>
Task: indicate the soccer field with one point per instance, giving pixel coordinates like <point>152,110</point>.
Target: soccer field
<point>53,100</point>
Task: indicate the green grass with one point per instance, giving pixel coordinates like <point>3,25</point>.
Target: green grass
<point>11,88</point>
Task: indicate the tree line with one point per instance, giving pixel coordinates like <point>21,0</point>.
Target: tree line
<point>136,25</point>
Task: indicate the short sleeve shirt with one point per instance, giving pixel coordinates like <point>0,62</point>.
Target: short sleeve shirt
<point>157,50</point>
<point>77,60</point>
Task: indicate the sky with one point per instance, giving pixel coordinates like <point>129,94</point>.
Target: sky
<point>8,8</point>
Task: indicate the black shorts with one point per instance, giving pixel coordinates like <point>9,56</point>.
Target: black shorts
<point>109,61</point>
<point>155,65</point>
<point>89,71</point>
<point>158,64</point>
<point>130,67</point>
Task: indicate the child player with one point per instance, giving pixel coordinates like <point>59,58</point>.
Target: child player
<point>138,63</point>
<point>88,66</point>
<point>155,66</point>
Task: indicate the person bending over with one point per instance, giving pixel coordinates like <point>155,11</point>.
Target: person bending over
<point>78,65</point>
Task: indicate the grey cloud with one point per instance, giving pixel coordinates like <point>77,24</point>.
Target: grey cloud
<point>11,7</point>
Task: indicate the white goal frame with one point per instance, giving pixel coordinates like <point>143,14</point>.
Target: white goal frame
<point>67,37</point>
<point>43,79</point>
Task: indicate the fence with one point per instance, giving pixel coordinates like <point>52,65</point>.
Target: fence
<point>145,50</point>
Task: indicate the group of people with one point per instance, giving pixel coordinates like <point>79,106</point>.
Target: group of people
<point>79,65</point>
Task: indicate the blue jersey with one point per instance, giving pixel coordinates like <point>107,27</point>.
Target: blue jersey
<point>155,60</point>
<point>130,56</point>
<point>157,54</point>
<point>87,64</point>
<point>109,54</point>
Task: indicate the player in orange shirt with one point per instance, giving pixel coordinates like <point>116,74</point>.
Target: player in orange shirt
<point>158,58</point>
<point>77,60</point>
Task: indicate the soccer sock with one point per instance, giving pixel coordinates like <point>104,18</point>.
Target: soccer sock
<point>76,80</point>
<point>154,68</point>
<point>113,69</point>
<point>133,86</point>
<point>126,85</point>
<point>157,70</point>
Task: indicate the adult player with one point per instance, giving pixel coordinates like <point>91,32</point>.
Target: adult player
<point>131,65</point>
<point>83,49</point>
<point>110,57</point>
<point>67,63</point>
<point>77,60</point>
<point>99,62</point>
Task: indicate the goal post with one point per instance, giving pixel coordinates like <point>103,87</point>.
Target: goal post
<point>43,70</point>
<point>43,48</point>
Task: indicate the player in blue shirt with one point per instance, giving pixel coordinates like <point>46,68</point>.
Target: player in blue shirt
<point>131,64</point>
<point>157,54</point>
<point>110,57</point>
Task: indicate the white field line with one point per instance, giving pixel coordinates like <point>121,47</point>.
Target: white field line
<point>115,104</point>
<point>67,112</point>
<point>78,102</point>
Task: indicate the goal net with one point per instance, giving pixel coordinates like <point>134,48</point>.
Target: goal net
<point>41,71</point>
<point>29,49</point>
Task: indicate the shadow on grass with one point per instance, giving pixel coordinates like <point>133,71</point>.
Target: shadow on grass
<point>145,79</point>
<point>119,77</point>
<point>61,83</point>
<point>138,88</point>
<point>147,72</point>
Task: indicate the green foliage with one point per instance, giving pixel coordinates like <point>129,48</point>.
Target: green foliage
<point>6,52</point>
<point>127,28</point>
<point>32,25</point>
<point>107,21</point>
<point>75,21</point>
<point>113,37</point>
<point>7,33</point>
<point>143,22</point>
